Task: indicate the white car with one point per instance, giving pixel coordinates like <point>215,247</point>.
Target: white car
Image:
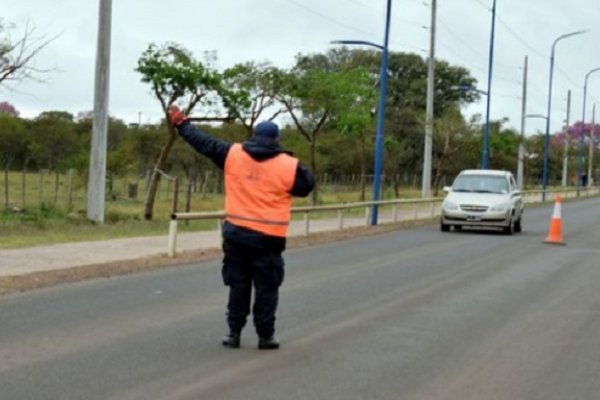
<point>483,198</point>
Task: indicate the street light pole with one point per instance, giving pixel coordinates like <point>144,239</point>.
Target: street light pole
<point>380,109</point>
<point>486,133</point>
<point>581,137</point>
<point>381,117</point>
<point>547,136</point>
<point>427,153</point>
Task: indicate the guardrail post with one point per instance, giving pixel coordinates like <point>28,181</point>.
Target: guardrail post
<point>367,216</point>
<point>395,213</point>
<point>415,212</point>
<point>220,231</point>
<point>432,209</point>
<point>306,224</point>
<point>340,216</point>
<point>172,238</point>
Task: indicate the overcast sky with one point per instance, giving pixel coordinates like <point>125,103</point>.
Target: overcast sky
<point>277,30</point>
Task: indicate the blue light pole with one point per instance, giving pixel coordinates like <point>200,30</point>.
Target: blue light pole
<point>580,149</point>
<point>486,134</point>
<point>547,136</point>
<point>380,109</point>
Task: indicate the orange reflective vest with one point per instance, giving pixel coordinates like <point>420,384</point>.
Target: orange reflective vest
<point>257,193</point>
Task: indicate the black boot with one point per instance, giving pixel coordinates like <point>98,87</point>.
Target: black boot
<point>232,339</point>
<point>269,343</point>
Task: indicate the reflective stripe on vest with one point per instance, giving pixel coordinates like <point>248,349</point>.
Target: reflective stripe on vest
<point>257,193</point>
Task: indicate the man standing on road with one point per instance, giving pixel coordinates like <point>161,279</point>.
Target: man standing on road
<point>260,180</point>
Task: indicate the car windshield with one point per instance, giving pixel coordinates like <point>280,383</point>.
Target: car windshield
<point>480,184</point>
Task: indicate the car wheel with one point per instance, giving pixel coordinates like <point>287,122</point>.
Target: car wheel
<point>518,226</point>
<point>444,227</point>
<point>510,229</point>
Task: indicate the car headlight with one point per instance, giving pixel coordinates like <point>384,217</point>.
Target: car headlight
<point>450,206</point>
<point>500,208</point>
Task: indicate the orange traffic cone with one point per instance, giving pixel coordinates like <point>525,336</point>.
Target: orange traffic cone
<point>555,231</point>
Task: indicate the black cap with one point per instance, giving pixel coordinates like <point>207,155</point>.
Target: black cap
<point>267,129</point>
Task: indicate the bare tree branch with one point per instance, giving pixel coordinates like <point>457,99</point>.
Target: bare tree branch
<point>16,57</point>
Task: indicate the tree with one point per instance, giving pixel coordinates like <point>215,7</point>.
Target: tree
<point>407,102</point>
<point>355,121</point>
<point>54,143</point>
<point>314,92</point>
<point>504,145</point>
<point>12,146</point>
<point>8,109</point>
<point>454,144</point>
<point>249,93</point>
<point>142,146</point>
<point>16,56</point>
<point>406,99</point>
<point>176,76</point>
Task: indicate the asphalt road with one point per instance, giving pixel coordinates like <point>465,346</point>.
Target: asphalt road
<point>414,314</point>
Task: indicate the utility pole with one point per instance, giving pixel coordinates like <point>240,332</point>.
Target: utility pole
<point>486,133</point>
<point>591,151</point>
<point>566,142</point>
<point>521,155</point>
<point>427,152</point>
<point>97,174</point>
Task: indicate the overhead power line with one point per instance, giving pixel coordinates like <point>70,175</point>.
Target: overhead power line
<point>379,11</point>
<point>332,20</point>
<point>350,27</point>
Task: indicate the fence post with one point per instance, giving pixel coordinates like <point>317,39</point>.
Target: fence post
<point>367,215</point>
<point>172,237</point>
<point>188,198</point>
<point>6,198</point>
<point>306,224</point>
<point>340,216</point>
<point>69,189</point>
<point>56,185</point>
<point>415,212</point>
<point>23,187</point>
<point>395,212</point>
<point>432,209</point>
<point>205,183</point>
<point>41,188</point>
<point>168,189</point>
<point>220,231</point>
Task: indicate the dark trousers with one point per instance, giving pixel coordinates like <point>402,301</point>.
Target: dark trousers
<point>244,266</point>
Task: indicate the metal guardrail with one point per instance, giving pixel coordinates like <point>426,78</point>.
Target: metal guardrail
<point>530,196</point>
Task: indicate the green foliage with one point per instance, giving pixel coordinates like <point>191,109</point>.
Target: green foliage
<point>174,73</point>
<point>36,216</point>
<point>54,143</point>
<point>331,101</point>
<point>13,144</point>
<point>116,216</point>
